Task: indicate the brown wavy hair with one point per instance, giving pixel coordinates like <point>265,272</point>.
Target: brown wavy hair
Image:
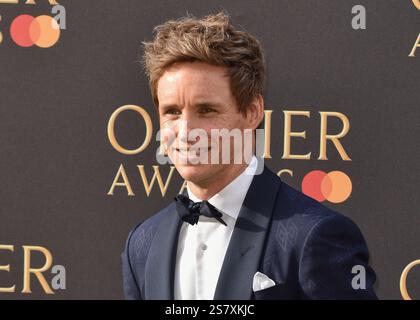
<point>211,39</point>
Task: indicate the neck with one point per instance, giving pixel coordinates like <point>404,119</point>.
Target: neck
<point>204,190</point>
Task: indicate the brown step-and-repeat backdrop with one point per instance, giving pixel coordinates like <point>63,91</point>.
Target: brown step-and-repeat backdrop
<point>78,164</point>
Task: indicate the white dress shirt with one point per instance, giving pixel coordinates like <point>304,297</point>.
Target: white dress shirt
<point>202,247</point>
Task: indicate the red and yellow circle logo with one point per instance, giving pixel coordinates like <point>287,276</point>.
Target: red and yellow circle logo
<point>334,186</point>
<point>42,31</point>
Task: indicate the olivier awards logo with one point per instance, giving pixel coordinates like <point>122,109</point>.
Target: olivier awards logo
<point>334,187</point>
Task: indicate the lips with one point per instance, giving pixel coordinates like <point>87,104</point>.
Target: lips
<point>188,150</point>
<point>191,154</point>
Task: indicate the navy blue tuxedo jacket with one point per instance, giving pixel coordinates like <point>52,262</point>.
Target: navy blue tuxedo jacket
<point>307,249</point>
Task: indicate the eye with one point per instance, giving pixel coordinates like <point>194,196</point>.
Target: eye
<point>206,110</point>
<point>173,112</point>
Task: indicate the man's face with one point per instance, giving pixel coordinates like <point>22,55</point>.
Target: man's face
<point>196,95</point>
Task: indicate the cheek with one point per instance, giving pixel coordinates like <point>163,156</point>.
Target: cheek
<point>221,122</point>
<point>166,123</point>
<point>232,123</point>
<point>167,135</point>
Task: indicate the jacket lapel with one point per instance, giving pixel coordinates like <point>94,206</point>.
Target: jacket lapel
<point>247,242</point>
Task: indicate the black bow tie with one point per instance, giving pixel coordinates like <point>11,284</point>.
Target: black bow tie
<point>190,211</point>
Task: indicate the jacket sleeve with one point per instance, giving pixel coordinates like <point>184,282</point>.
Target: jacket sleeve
<point>130,286</point>
<point>334,262</point>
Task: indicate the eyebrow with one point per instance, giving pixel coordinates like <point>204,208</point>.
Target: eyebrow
<point>208,104</point>
<point>196,105</point>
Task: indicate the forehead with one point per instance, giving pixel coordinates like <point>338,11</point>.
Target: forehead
<point>193,79</point>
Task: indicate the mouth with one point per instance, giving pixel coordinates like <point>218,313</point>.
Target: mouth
<point>192,150</point>
<point>192,153</point>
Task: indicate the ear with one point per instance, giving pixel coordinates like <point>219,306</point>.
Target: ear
<point>255,112</point>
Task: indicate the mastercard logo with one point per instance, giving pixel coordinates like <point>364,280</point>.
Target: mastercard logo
<point>334,186</point>
<point>42,31</point>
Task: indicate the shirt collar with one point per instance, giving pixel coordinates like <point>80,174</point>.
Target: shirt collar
<point>229,200</point>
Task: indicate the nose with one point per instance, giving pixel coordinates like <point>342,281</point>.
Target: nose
<point>185,125</point>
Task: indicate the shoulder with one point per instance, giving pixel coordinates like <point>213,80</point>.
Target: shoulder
<point>295,205</point>
<point>303,218</point>
<point>140,237</point>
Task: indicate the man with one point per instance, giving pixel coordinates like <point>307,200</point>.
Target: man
<point>236,232</point>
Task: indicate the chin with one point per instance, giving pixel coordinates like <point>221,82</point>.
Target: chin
<point>195,173</point>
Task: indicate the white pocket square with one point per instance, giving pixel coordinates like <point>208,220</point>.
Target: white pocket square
<point>261,282</point>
